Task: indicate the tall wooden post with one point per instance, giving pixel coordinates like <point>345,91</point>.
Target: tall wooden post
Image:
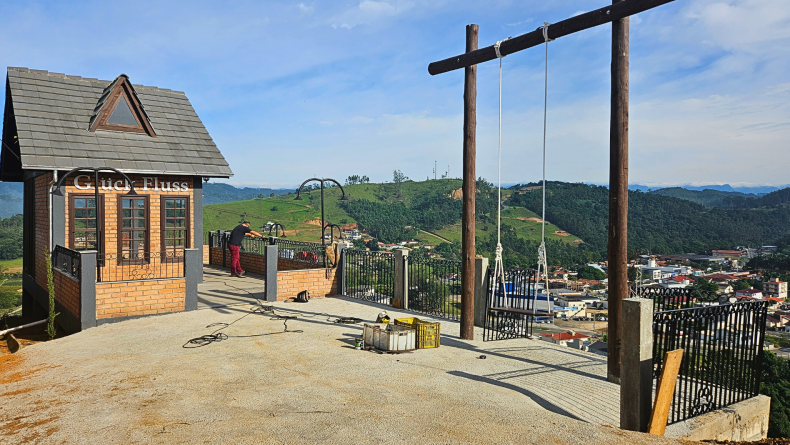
<point>618,193</point>
<point>468,218</point>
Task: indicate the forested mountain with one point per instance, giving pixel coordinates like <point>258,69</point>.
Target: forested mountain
<point>708,197</point>
<point>10,198</point>
<point>660,223</point>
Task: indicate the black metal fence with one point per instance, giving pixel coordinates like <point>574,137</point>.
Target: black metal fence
<point>511,306</point>
<point>301,251</point>
<point>722,354</point>
<point>369,275</point>
<point>669,299</point>
<point>67,261</point>
<point>435,287</point>
<point>142,265</point>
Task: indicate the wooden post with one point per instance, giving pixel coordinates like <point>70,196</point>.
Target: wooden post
<point>468,218</point>
<point>618,192</point>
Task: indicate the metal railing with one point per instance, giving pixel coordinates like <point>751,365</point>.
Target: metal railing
<point>669,299</point>
<point>67,261</point>
<point>369,275</point>
<point>722,354</point>
<point>435,287</point>
<point>129,266</point>
<point>301,251</point>
<point>508,304</point>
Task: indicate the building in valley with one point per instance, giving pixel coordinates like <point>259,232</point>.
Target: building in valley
<point>124,224</point>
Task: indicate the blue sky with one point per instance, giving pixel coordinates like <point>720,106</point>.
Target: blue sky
<point>289,90</point>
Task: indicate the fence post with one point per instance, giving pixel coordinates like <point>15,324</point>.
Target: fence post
<point>636,376</point>
<point>341,268</point>
<point>401,283</point>
<point>481,291</point>
<point>271,272</point>
<point>193,268</point>
<point>87,289</point>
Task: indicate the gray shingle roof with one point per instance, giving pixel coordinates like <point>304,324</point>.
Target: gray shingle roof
<point>53,113</point>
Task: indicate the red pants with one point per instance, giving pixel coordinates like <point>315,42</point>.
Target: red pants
<point>235,265</point>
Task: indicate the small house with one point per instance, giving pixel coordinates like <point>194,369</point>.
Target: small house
<point>113,176</point>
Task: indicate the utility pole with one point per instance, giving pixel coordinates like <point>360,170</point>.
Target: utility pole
<point>468,216</point>
<point>434,170</point>
<point>618,193</point>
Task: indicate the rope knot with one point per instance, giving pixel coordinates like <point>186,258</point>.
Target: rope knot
<point>499,250</point>
<point>496,48</point>
<point>545,28</point>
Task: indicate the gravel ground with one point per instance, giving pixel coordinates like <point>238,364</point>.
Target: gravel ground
<point>134,382</point>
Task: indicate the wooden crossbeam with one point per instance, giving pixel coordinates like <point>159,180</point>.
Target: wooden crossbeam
<point>572,25</point>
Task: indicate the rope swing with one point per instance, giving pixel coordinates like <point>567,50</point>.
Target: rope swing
<point>499,269</point>
<point>542,263</point>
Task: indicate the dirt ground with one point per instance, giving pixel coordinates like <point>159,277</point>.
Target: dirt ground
<point>141,381</point>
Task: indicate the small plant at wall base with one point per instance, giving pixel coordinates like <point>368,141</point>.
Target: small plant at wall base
<point>51,329</point>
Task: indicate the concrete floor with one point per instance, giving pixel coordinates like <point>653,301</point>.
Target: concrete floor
<point>219,288</point>
<point>135,382</point>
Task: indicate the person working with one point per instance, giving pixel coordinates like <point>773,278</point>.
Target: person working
<point>234,243</point>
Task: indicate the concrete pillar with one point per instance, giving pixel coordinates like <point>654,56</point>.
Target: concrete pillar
<point>87,289</point>
<point>481,291</point>
<point>402,277</point>
<point>271,272</point>
<point>197,224</point>
<point>636,372</point>
<point>193,271</point>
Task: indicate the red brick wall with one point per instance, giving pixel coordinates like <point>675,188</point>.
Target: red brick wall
<point>41,187</point>
<point>67,292</point>
<point>286,264</point>
<point>205,253</point>
<point>140,298</point>
<point>319,282</point>
<point>250,262</point>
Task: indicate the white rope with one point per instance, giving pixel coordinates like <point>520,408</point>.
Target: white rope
<point>542,262</point>
<point>499,268</point>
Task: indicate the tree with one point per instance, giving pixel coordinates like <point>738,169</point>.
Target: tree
<point>271,195</point>
<point>260,196</point>
<point>373,245</point>
<point>591,273</point>
<point>704,285</point>
<point>399,178</point>
<point>776,385</point>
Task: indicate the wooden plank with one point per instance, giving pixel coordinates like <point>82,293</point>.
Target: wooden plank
<point>617,253</point>
<point>556,30</point>
<point>666,389</point>
<point>469,188</point>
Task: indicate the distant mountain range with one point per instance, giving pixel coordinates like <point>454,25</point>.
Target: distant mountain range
<point>217,193</point>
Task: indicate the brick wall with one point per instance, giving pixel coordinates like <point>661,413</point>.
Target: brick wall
<point>41,232</point>
<point>132,298</point>
<point>319,282</point>
<point>205,253</point>
<point>67,292</point>
<point>250,262</point>
<point>286,264</point>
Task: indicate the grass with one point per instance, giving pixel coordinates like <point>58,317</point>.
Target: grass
<point>294,215</point>
<point>9,264</point>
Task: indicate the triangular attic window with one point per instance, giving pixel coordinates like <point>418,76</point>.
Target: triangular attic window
<point>122,114</point>
<point>120,110</point>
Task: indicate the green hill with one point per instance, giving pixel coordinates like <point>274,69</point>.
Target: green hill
<point>662,224</point>
<point>390,212</point>
<point>708,197</point>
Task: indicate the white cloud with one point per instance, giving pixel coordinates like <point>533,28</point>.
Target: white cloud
<point>306,9</point>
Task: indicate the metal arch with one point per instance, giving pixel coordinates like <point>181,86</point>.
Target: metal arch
<point>321,180</point>
<point>95,170</point>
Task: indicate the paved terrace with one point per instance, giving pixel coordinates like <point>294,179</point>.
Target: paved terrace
<point>133,382</point>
